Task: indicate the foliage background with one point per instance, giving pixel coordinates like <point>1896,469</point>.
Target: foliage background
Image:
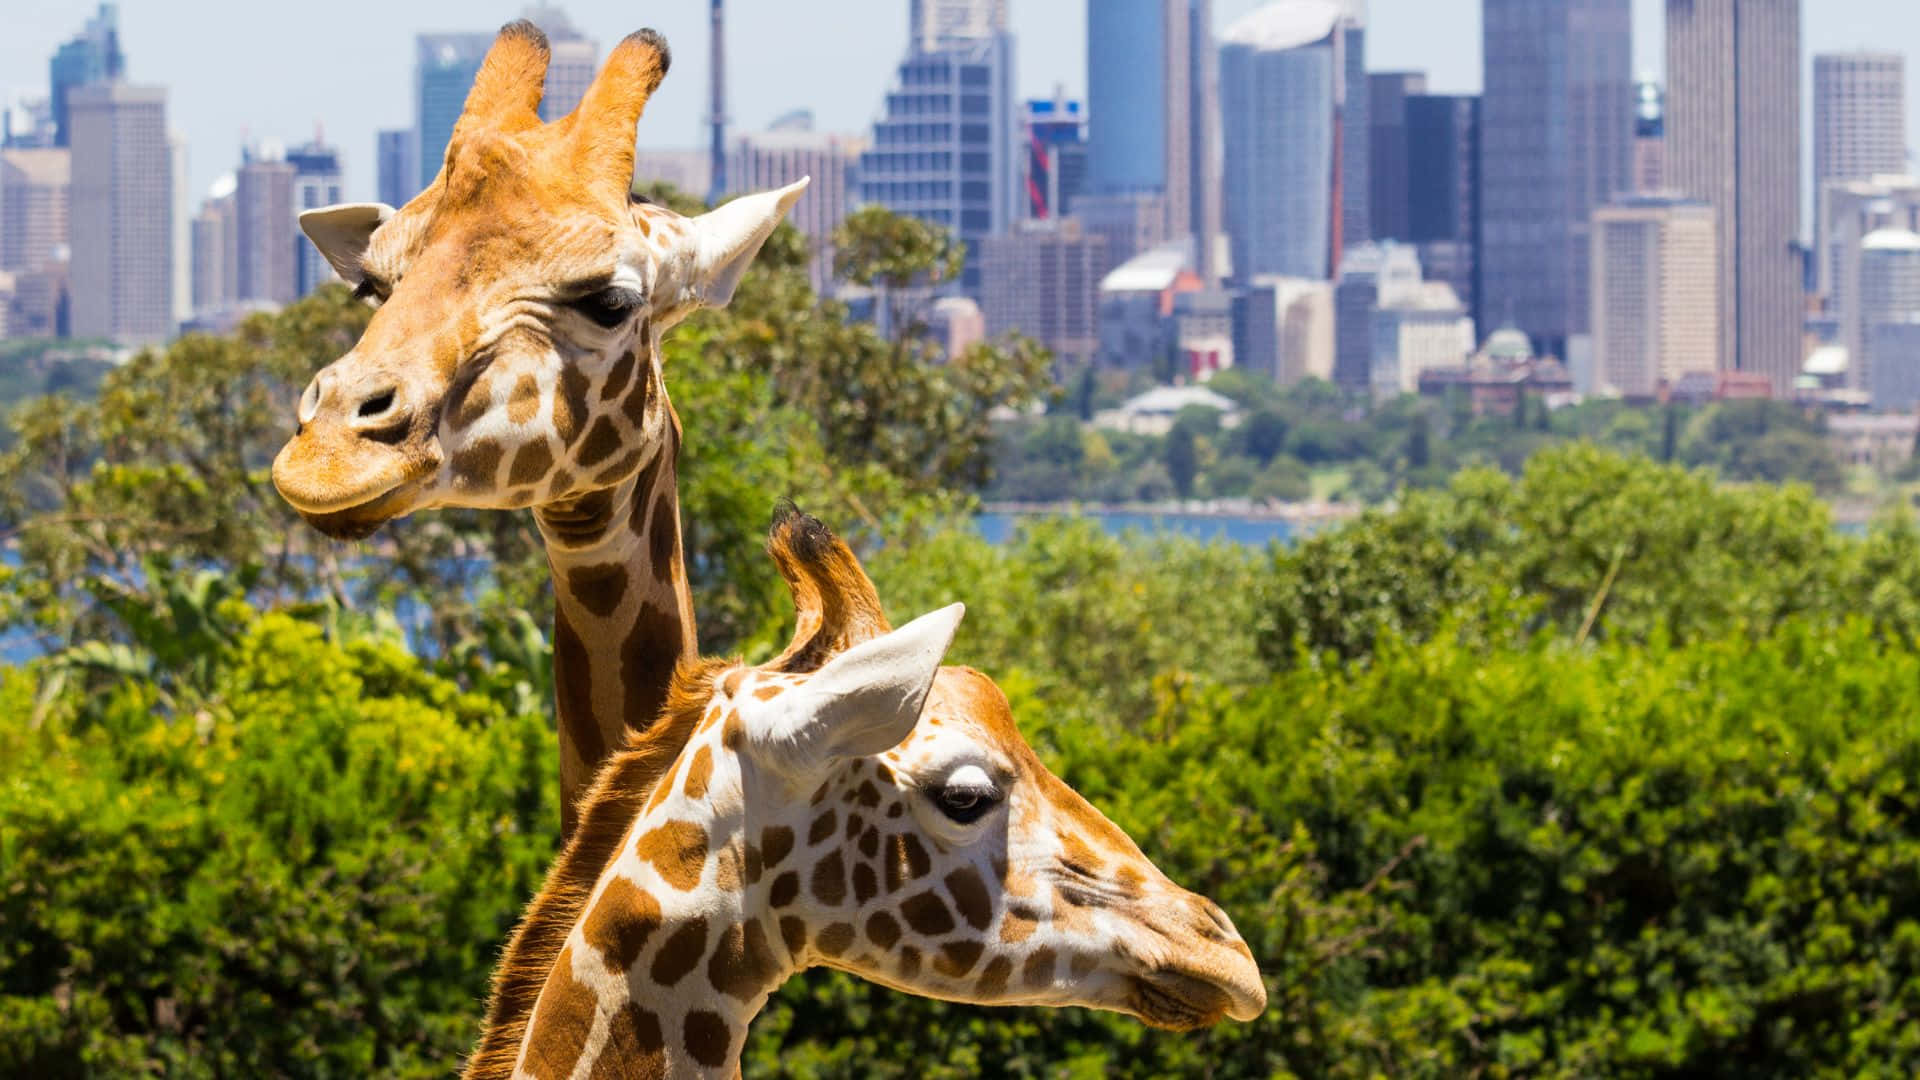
<point>1595,766</point>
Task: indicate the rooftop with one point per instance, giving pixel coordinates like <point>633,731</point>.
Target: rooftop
<point>1289,24</point>
<point>1168,400</point>
<point>1891,240</point>
<point>1153,270</point>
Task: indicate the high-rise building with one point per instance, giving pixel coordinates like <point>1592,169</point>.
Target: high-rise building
<point>1889,314</point>
<point>1130,223</point>
<point>1852,210</point>
<point>35,192</point>
<point>1859,116</point>
<point>265,228</point>
<point>396,169</point>
<point>1733,140</point>
<point>1283,329</point>
<point>938,25</point>
<point>572,57</point>
<point>1556,130</point>
<point>91,56</point>
<point>1417,328</point>
<point>1152,73</point>
<point>944,150</point>
<point>216,250</point>
<point>1649,137</point>
<point>444,70</point>
<point>1653,276</point>
<point>1054,167</point>
<point>1443,191</point>
<point>791,150</point>
<point>1388,173</point>
<point>1043,279</point>
<point>316,183</point>
<point>1292,201</point>
<point>121,218</point>
<point>1370,275</point>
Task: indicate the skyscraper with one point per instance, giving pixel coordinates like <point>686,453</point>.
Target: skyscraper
<point>1284,80</point>
<point>266,228</point>
<point>935,25</point>
<point>1053,136</point>
<point>1859,116</point>
<point>35,192</point>
<point>1443,192</point>
<point>91,56</point>
<point>1043,279</point>
<point>121,223</point>
<point>1152,73</point>
<point>444,69</point>
<point>1850,211</point>
<point>944,150</point>
<point>1556,130</point>
<point>1649,137</point>
<point>396,167</point>
<point>1653,275</point>
<point>1890,316</point>
<point>215,250</point>
<point>316,182</point>
<point>770,159</point>
<point>1388,173</point>
<point>1733,140</point>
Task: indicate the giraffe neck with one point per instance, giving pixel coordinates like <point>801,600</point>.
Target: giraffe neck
<point>677,950</point>
<point>623,613</point>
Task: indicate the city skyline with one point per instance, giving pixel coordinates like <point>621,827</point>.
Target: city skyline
<point>291,92</point>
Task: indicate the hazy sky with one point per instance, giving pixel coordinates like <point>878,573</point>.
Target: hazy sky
<point>238,69</point>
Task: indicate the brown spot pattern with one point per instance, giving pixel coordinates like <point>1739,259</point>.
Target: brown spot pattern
<point>970,897</point>
<point>678,852</point>
<point>957,958</point>
<point>786,888</point>
<point>742,966</point>
<point>570,404</point>
<point>883,929</point>
<point>1037,972</point>
<point>927,914</point>
<point>793,934</point>
<point>909,962</point>
<point>531,463</point>
<point>870,842</point>
<point>993,979</point>
<point>524,400</point>
<point>647,659</point>
<point>661,534</point>
<point>617,377</point>
<point>768,692</point>
<point>864,885</point>
<point>602,440</point>
<point>699,771</point>
<point>562,1021</point>
<point>907,860</point>
<point>620,923</point>
<point>776,843</point>
<point>830,879</point>
<point>680,953</point>
<point>708,1038</point>
<point>835,939</point>
<point>635,1048</point>
<point>476,466</point>
<point>598,588</point>
<point>822,827</point>
<point>1016,926</point>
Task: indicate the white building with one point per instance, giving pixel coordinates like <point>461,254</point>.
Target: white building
<point>1154,412</point>
<point>1416,329</point>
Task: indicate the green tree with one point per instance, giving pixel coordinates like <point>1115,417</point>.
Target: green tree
<point>1182,459</point>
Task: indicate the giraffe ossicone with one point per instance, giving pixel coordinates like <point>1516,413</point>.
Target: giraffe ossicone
<point>514,362</point>
<point>852,804</point>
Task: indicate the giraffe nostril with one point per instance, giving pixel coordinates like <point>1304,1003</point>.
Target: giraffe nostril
<point>375,405</point>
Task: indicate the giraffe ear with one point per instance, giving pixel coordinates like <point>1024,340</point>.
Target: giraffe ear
<point>343,232</point>
<point>728,237</point>
<point>863,701</point>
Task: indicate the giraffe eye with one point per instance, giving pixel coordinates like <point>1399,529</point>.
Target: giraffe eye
<point>611,306</point>
<point>966,802</point>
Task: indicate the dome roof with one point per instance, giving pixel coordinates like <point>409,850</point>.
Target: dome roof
<point>1289,24</point>
<point>1510,341</point>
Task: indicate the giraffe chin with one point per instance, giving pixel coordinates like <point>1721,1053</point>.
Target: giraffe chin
<point>361,521</point>
<point>1173,1001</point>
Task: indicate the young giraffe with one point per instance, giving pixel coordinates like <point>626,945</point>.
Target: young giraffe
<point>851,804</point>
<point>514,361</point>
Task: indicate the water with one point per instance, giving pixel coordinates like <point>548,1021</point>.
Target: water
<point>997,528</point>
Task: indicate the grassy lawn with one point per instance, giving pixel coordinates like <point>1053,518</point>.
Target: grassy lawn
<point>1328,481</point>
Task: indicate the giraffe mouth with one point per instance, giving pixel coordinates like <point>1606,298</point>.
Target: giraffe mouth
<point>1177,1001</point>
<point>362,520</point>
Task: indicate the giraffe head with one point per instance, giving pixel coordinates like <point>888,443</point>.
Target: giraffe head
<point>908,834</point>
<point>513,357</point>
<point>852,804</point>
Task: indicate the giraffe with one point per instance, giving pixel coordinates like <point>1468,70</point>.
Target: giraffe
<point>514,361</point>
<point>851,804</point>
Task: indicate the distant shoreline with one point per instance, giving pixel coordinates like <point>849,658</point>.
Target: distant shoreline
<point>1243,509</point>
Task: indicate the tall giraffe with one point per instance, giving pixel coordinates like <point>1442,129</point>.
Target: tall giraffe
<point>851,804</point>
<point>514,361</point>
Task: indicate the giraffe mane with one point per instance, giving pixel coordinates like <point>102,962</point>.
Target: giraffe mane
<point>619,791</point>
